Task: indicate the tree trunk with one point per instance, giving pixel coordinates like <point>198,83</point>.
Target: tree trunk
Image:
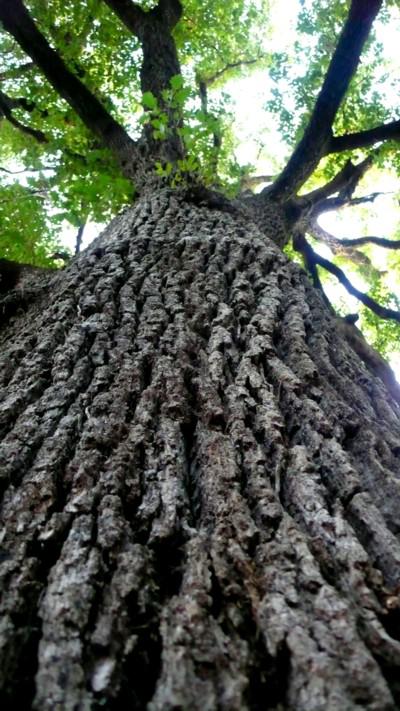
<point>201,483</point>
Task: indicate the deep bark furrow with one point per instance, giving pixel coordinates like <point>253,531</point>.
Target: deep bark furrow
<point>210,518</point>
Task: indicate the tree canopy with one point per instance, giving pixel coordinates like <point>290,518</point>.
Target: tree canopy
<point>101,99</point>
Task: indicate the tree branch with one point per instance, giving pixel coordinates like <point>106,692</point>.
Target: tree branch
<point>301,245</point>
<point>363,139</point>
<point>7,104</point>
<point>136,20</point>
<point>336,203</point>
<point>318,132</point>
<point>322,235</point>
<point>305,248</point>
<point>217,137</point>
<point>344,183</point>
<point>379,241</point>
<point>153,29</point>
<point>170,11</point>
<point>131,15</point>
<point>78,238</point>
<point>231,65</point>
<point>160,63</point>
<point>338,247</point>
<point>39,193</point>
<point>26,170</point>
<point>17,21</point>
<point>12,102</point>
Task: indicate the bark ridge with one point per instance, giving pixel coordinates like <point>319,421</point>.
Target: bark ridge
<point>200,483</point>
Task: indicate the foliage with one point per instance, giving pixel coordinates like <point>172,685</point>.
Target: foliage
<point>304,67</point>
<point>238,36</point>
<point>384,335</point>
<point>202,157</point>
<point>20,206</point>
<point>82,180</point>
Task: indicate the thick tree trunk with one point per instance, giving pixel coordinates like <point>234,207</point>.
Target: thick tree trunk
<point>201,483</point>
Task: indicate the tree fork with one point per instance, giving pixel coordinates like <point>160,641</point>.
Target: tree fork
<point>160,63</point>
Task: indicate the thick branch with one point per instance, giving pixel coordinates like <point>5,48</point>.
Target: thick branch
<point>131,15</point>
<point>170,11</point>
<point>136,20</point>
<point>316,202</point>
<point>344,183</point>
<point>17,21</point>
<point>203,93</point>
<point>363,139</point>
<point>306,249</point>
<point>153,29</point>
<point>318,132</point>
<point>160,63</point>
<point>322,235</point>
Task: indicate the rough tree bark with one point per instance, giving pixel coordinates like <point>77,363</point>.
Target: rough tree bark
<point>199,476</point>
<point>200,482</point>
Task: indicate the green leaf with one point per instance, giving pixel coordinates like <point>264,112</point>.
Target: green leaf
<point>149,100</point>
<point>176,82</point>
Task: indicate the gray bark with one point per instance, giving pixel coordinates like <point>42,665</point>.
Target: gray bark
<point>200,482</point>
